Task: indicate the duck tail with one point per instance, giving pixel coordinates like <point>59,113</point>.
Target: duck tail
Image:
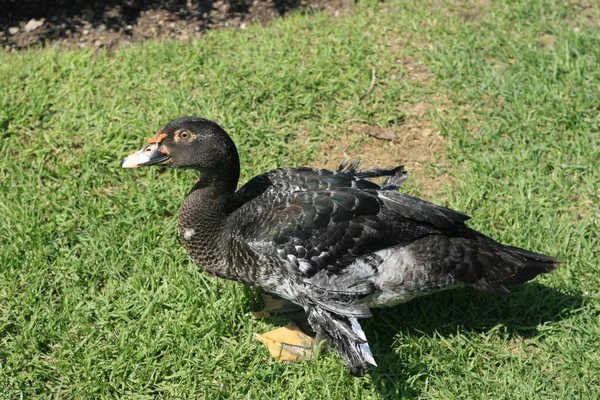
<point>535,264</point>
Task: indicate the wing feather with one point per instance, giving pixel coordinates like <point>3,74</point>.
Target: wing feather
<point>323,220</point>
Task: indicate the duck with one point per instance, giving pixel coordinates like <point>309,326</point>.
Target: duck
<point>334,243</point>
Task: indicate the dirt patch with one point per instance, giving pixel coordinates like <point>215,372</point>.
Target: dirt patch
<point>587,14</point>
<point>110,23</point>
<point>413,143</point>
<point>547,42</point>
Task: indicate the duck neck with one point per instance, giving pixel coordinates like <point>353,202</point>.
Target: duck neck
<point>202,220</point>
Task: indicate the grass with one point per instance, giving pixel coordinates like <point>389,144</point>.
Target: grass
<point>99,300</point>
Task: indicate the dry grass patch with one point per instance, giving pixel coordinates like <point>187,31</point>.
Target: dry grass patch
<point>414,143</point>
<point>588,14</point>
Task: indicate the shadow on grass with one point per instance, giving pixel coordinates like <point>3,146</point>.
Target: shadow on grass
<point>463,310</point>
<point>443,314</point>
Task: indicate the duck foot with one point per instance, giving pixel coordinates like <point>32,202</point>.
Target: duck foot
<point>289,344</point>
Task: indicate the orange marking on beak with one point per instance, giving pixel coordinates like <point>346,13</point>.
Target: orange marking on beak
<point>164,150</point>
<point>157,139</point>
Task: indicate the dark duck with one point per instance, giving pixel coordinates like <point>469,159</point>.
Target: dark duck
<point>334,243</point>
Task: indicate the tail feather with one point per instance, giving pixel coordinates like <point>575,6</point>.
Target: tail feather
<point>534,264</point>
<point>479,261</point>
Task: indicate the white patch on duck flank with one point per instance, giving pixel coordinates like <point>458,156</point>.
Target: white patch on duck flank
<point>188,233</point>
<point>402,277</point>
<point>389,277</point>
<point>364,348</point>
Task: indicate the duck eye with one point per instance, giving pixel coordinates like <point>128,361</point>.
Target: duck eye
<point>185,135</point>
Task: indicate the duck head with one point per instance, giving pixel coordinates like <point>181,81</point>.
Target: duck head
<point>187,142</point>
<point>196,143</point>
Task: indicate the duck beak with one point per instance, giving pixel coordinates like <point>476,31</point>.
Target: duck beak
<point>153,154</point>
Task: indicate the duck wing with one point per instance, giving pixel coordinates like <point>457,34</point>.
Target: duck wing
<point>297,179</point>
<point>328,229</point>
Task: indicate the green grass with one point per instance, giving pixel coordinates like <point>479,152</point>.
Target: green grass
<point>99,300</point>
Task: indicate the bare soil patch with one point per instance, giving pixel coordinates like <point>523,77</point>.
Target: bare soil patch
<point>414,143</point>
<point>110,23</point>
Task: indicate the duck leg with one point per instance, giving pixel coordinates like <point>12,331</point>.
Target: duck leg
<point>273,305</point>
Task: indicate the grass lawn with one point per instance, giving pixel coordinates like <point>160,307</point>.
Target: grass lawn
<point>98,298</point>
